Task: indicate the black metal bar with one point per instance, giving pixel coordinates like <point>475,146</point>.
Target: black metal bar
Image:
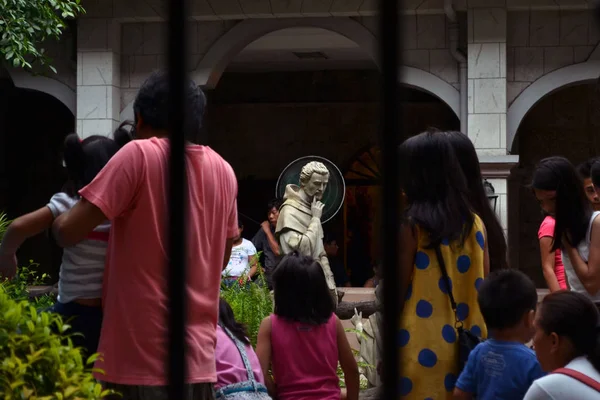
<point>177,199</point>
<point>390,140</point>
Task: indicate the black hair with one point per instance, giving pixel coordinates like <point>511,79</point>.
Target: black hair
<point>585,168</point>
<point>227,320</point>
<point>574,316</point>
<point>274,203</point>
<point>84,159</point>
<point>301,292</point>
<point>152,104</point>
<point>469,163</point>
<point>435,188</point>
<point>504,297</point>
<point>573,209</point>
<point>595,173</point>
<point>329,237</point>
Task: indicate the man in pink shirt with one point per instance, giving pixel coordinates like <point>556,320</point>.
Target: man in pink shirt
<point>131,192</point>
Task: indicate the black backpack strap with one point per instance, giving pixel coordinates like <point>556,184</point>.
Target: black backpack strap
<point>438,253</point>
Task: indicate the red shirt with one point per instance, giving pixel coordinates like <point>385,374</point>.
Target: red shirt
<point>547,230</point>
<point>132,192</point>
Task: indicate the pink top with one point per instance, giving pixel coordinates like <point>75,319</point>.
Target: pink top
<point>132,193</point>
<point>230,367</point>
<point>314,352</point>
<point>547,230</point>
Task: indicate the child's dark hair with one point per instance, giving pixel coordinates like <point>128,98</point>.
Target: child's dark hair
<point>329,237</point>
<point>573,209</point>
<point>584,170</point>
<point>504,297</point>
<point>227,320</point>
<point>572,315</point>
<point>274,203</point>
<point>436,188</point>
<point>595,173</point>
<point>301,292</point>
<point>84,159</point>
<point>469,162</point>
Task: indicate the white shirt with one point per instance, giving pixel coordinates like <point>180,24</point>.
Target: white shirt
<point>562,387</point>
<point>239,260</point>
<point>584,252</point>
<point>82,268</point>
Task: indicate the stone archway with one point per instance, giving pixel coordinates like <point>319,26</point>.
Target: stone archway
<point>216,60</point>
<point>546,85</point>
<point>57,89</point>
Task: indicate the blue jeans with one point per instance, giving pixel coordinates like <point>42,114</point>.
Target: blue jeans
<point>85,322</point>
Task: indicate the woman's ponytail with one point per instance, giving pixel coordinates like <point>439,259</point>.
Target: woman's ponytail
<point>122,135</point>
<point>74,157</point>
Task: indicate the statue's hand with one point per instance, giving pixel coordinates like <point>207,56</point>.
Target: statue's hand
<point>317,208</point>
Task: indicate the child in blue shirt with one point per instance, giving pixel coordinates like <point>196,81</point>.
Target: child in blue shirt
<point>503,368</point>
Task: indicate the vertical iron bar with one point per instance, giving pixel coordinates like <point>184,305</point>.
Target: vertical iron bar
<point>177,203</point>
<point>389,140</point>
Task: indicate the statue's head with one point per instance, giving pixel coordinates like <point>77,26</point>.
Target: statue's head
<point>314,178</point>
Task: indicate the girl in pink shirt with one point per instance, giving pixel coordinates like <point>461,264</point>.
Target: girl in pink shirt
<point>552,265</point>
<point>303,340</point>
<point>238,371</point>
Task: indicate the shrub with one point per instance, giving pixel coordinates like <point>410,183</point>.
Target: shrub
<point>36,362</point>
<point>17,288</point>
<point>250,303</point>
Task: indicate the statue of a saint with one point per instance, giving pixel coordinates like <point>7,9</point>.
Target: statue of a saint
<point>299,225</point>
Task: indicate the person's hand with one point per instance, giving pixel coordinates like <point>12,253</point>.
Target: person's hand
<point>8,266</point>
<point>316,208</point>
<point>266,226</point>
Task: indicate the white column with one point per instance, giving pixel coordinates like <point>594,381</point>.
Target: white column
<point>487,79</point>
<point>98,76</point>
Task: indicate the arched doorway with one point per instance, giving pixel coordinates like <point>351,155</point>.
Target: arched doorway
<point>564,123</point>
<point>33,125</point>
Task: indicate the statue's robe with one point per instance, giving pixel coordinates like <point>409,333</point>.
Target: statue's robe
<point>298,230</point>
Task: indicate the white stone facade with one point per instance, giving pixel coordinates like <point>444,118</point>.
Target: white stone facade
<point>510,47</point>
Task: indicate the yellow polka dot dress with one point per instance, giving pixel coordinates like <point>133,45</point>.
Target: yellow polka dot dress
<point>427,338</point>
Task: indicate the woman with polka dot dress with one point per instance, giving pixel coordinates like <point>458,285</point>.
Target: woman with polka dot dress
<point>438,214</point>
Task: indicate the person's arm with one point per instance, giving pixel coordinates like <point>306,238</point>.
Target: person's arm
<point>486,254</point>
<point>266,227</point>
<point>73,226</point>
<point>548,259</point>
<point>18,231</point>
<point>264,353</point>
<point>112,192</point>
<point>253,261</point>
<point>466,383</point>
<point>348,363</point>
<point>588,273</point>
<point>536,392</point>
<point>408,240</point>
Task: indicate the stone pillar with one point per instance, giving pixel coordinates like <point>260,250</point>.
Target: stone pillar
<point>487,79</point>
<point>98,76</point>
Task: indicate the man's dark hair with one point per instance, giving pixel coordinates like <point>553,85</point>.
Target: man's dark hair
<point>152,104</point>
<point>595,173</point>
<point>585,168</point>
<point>504,297</point>
<point>301,292</point>
<point>274,203</point>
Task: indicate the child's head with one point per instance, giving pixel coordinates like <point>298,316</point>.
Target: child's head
<point>227,320</point>
<point>240,229</point>
<point>507,300</point>
<point>585,173</point>
<point>84,159</point>
<point>559,190</point>
<point>435,187</point>
<point>566,326</point>
<point>301,292</point>
<point>330,244</point>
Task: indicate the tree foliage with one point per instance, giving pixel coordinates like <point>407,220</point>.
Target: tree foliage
<point>25,24</point>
